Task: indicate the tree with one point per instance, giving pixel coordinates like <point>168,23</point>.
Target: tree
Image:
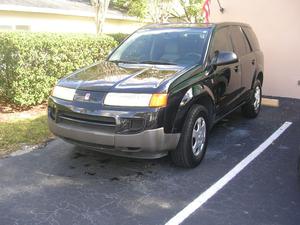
<point>156,10</point>
<point>160,10</point>
<point>101,7</point>
<point>192,11</point>
<point>136,8</point>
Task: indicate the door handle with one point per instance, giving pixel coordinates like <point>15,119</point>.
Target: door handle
<point>236,68</point>
<point>253,62</point>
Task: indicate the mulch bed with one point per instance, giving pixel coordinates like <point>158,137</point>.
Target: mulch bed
<point>10,112</point>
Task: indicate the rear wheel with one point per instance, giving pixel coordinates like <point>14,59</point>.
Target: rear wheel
<point>251,109</point>
<point>193,140</point>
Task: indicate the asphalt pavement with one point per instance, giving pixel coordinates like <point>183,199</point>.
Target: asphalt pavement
<point>63,184</point>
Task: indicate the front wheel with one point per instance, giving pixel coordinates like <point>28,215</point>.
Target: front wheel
<point>251,109</point>
<point>193,140</point>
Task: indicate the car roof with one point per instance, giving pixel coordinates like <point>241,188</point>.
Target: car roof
<point>224,24</point>
<point>179,25</point>
<point>191,25</point>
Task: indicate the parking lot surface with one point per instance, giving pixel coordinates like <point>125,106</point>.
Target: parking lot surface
<point>63,184</point>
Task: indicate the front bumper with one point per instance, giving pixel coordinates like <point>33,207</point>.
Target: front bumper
<point>153,143</point>
<point>135,133</point>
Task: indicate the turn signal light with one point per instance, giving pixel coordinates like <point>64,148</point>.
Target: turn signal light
<point>158,100</point>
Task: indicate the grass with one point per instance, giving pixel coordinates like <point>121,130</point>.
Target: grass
<point>14,134</point>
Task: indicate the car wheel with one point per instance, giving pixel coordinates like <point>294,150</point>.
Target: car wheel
<point>193,140</point>
<point>251,109</point>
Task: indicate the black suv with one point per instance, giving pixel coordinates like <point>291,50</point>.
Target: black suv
<point>160,91</point>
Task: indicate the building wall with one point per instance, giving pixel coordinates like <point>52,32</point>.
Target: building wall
<point>41,22</point>
<point>276,24</point>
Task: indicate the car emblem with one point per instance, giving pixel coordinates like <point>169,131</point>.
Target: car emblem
<point>87,96</point>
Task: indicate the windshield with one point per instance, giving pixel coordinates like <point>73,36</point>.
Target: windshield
<point>178,46</point>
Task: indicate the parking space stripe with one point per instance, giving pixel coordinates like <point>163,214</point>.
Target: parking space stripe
<point>212,190</point>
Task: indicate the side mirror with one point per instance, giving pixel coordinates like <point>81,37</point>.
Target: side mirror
<point>224,58</point>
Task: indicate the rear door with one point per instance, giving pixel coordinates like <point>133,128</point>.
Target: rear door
<point>246,57</point>
<point>226,79</point>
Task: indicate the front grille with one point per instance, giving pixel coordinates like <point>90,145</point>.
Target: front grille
<point>97,120</point>
<point>99,123</point>
<point>89,96</point>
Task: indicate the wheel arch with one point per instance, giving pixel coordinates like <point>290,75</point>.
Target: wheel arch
<point>258,76</point>
<point>204,99</point>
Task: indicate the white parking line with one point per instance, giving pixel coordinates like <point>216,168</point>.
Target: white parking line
<point>212,190</point>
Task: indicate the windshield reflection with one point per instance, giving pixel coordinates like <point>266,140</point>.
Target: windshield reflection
<point>172,46</point>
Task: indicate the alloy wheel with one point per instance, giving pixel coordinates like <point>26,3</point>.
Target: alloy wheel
<point>198,136</point>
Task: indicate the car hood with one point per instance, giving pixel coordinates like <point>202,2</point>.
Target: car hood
<point>120,77</point>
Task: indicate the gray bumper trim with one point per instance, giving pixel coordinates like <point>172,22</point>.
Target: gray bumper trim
<point>155,140</point>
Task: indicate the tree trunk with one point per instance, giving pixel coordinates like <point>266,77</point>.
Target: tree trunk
<point>101,7</point>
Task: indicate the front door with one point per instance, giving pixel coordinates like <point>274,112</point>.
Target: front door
<point>226,80</point>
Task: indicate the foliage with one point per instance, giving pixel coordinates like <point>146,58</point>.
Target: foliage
<point>192,10</point>
<point>120,4</point>
<point>31,63</point>
<point>136,8</point>
<point>15,133</point>
<point>161,10</point>
<point>119,37</point>
<point>156,10</point>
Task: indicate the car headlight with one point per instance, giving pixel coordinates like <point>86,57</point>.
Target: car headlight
<point>63,93</point>
<point>136,100</point>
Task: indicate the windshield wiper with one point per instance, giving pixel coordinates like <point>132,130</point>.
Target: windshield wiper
<point>122,61</point>
<point>142,62</point>
<point>156,62</point>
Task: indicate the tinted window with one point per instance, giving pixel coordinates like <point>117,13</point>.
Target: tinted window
<point>221,42</point>
<point>170,46</point>
<point>252,38</point>
<point>240,45</point>
<point>248,47</point>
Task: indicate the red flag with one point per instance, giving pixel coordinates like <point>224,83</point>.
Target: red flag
<point>206,10</point>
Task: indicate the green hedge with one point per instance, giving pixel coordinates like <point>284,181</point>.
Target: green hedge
<point>119,37</point>
<point>31,63</point>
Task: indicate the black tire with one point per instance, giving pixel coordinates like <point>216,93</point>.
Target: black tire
<point>250,109</point>
<point>183,155</point>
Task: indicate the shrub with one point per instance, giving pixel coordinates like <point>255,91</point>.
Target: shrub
<point>31,63</point>
<point>119,37</point>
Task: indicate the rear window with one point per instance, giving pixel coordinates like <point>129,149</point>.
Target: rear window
<point>221,41</point>
<point>252,38</point>
<point>239,41</point>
